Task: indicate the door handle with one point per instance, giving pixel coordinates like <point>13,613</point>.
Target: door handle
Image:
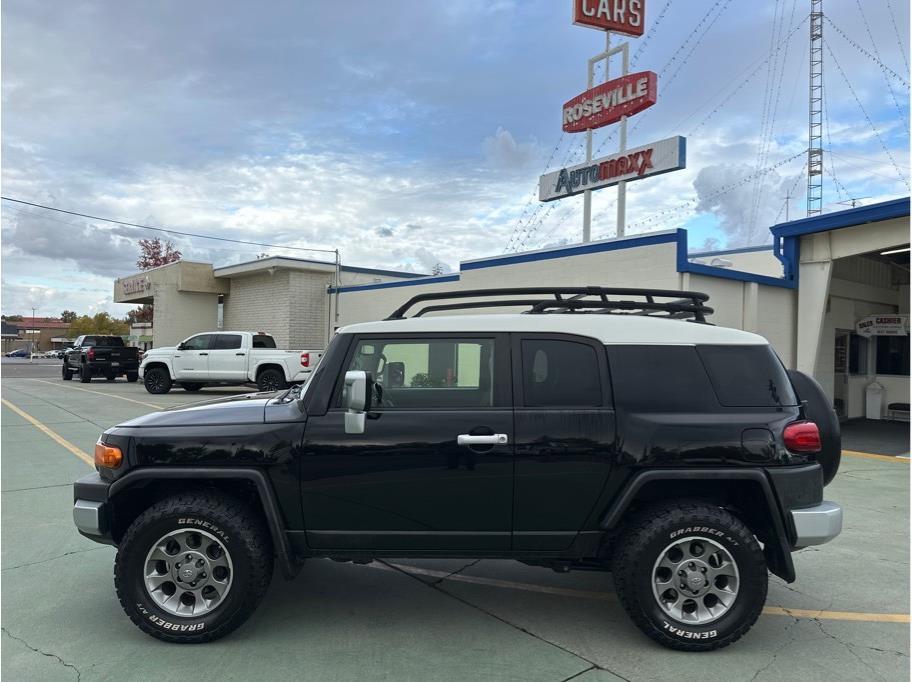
<point>240,353</point>
<point>204,353</point>
<point>494,439</point>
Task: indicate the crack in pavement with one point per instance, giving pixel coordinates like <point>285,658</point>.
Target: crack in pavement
<point>37,487</point>
<point>53,558</point>
<point>43,653</point>
<point>438,588</point>
<point>456,572</point>
<point>778,651</point>
<point>851,645</point>
<point>581,672</point>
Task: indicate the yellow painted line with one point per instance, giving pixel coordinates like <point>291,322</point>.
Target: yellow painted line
<point>107,395</point>
<point>813,614</point>
<point>838,615</point>
<point>871,455</point>
<point>81,454</point>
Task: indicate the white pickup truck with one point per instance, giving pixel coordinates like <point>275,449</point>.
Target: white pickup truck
<point>225,358</point>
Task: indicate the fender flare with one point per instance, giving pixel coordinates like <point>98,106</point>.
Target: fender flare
<point>264,489</point>
<point>779,557</point>
<point>166,363</point>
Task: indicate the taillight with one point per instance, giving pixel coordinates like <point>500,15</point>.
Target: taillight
<point>91,354</point>
<point>305,359</point>
<point>802,437</point>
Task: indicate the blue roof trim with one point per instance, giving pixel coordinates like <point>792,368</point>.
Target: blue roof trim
<point>684,265</point>
<point>374,271</point>
<point>725,252</point>
<point>392,285</point>
<point>886,210</point>
<point>579,250</point>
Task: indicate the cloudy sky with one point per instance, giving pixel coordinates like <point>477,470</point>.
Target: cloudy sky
<point>409,133</point>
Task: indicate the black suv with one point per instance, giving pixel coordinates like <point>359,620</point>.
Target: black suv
<point>608,429</point>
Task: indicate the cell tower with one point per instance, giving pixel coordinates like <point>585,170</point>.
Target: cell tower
<point>815,112</point>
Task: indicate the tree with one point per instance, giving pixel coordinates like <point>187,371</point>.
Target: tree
<point>68,316</point>
<point>154,252</point>
<point>141,314</point>
<point>12,318</point>
<point>100,323</point>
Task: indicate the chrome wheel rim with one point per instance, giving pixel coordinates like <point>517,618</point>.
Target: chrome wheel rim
<point>695,580</point>
<point>188,573</point>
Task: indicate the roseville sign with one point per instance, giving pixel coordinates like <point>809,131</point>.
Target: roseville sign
<point>618,16</point>
<point>640,162</point>
<point>607,103</point>
<point>136,285</point>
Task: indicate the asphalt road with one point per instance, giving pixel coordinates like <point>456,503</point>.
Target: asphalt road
<point>846,618</point>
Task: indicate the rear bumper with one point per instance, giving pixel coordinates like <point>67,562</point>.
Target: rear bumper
<point>117,366</point>
<point>817,525</point>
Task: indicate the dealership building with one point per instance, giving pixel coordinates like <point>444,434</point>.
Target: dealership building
<point>830,292</point>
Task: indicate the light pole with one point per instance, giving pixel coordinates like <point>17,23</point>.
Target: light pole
<point>31,340</point>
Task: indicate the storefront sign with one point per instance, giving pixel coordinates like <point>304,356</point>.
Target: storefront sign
<point>618,16</point>
<point>136,285</point>
<point>883,325</point>
<point>607,103</point>
<point>634,164</point>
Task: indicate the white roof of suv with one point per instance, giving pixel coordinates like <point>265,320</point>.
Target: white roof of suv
<point>609,329</point>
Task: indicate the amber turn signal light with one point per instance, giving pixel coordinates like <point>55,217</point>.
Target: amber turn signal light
<point>107,456</point>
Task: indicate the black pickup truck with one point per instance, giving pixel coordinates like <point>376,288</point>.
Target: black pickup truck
<point>603,429</point>
<point>100,356</point>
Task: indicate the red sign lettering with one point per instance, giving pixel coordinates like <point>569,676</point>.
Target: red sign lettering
<point>607,103</point>
<point>618,16</point>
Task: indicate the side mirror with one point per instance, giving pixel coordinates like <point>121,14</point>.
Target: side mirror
<point>356,398</point>
<point>181,346</point>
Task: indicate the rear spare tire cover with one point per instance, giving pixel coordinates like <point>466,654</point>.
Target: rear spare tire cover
<point>820,412</point>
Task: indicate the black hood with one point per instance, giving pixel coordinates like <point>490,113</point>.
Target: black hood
<point>249,408</point>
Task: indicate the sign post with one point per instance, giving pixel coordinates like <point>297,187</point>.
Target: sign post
<point>611,102</point>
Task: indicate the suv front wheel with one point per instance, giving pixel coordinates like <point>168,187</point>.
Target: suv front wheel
<point>193,567</point>
<point>691,575</point>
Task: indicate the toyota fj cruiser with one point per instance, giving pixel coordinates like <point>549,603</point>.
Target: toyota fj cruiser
<point>607,429</point>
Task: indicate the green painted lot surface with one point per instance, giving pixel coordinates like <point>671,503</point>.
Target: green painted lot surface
<point>415,620</point>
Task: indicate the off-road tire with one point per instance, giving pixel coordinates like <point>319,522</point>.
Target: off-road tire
<point>67,374</point>
<point>271,380</point>
<point>85,374</point>
<point>238,528</point>
<point>646,536</point>
<point>157,380</point>
<point>132,377</point>
<point>190,386</point>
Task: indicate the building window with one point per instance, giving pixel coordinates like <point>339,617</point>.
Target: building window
<point>858,354</point>
<point>893,355</point>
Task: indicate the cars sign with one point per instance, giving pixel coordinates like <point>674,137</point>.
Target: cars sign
<point>618,16</point>
<point>609,102</point>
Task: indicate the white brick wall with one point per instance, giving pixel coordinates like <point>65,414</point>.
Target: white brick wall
<point>260,303</point>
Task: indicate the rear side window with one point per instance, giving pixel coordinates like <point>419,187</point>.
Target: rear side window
<point>560,374</point>
<point>227,341</point>
<point>263,341</point>
<point>747,376</point>
<point>660,378</point>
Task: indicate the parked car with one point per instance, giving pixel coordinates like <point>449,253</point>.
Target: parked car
<point>636,439</point>
<point>226,358</point>
<point>98,355</point>
<point>18,353</point>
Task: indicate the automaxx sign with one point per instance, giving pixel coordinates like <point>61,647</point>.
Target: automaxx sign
<point>633,164</point>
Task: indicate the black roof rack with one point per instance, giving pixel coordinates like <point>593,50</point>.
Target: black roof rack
<point>604,300</point>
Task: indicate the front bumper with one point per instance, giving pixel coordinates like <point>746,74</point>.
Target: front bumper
<point>817,525</point>
<point>91,512</point>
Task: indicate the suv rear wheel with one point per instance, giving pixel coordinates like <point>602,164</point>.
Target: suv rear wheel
<point>690,575</point>
<point>193,567</point>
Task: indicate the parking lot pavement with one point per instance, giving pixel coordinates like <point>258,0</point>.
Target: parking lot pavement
<point>846,618</point>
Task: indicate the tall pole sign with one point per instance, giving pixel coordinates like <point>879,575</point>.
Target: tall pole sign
<point>608,103</point>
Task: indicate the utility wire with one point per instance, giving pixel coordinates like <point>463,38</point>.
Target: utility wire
<point>867,54</point>
<point>868,118</point>
<point>162,229</point>
<point>902,49</point>
<point>649,34</point>
<point>882,68</point>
